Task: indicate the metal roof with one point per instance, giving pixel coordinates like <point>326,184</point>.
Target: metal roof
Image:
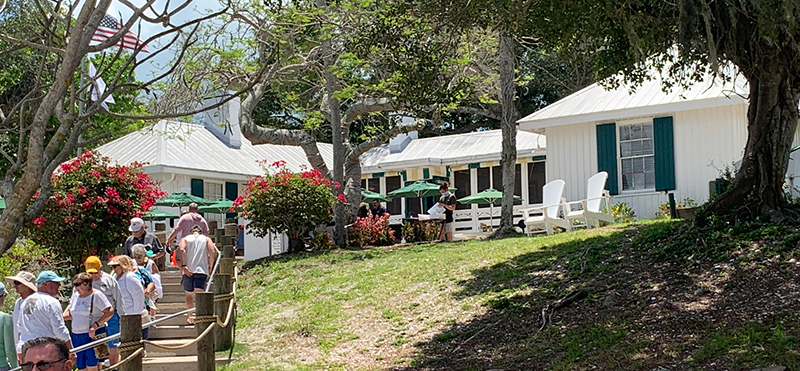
<point>595,103</point>
<point>180,145</point>
<point>455,149</point>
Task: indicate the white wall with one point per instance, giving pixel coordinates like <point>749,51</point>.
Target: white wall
<point>705,141</point>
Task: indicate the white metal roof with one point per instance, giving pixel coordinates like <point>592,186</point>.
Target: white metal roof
<point>455,149</point>
<point>181,146</point>
<point>595,103</point>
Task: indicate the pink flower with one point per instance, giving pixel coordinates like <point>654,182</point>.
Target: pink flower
<point>39,222</point>
<point>341,198</point>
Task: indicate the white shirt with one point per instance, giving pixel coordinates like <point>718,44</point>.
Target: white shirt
<point>109,287</point>
<point>197,253</point>
<point>36,316</point>
<point>80,308</point>
<point>132,294</point>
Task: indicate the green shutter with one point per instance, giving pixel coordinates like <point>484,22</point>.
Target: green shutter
<point>476,165</point>
<point>197,187</point>
<point>426,173</point>
<point>607,155</point>
<point>378,175</point>
<point>664,151</point>
<point>231,193</point>
<point>539,158</point>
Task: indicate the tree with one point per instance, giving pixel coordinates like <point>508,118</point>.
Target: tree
<point>760,38</point>
<point>91,205</point>
<point>46,107</point>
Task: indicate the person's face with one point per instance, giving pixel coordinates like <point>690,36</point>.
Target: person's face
<point>139,233</point>
<point>376,204</point>
<point>96,276</point>
<point>36,359</point>
<point>81,287</point>
<point>52,286</point>
<point>117,269</point>
<point>18,288</point>
<point>139,260</point>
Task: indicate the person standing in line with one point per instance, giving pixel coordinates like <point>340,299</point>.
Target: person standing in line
<point>108,286</point>
<point>35,314</point>
<point>47,353</point>
<point>186,223</point>
<point>363,208</point>
<point>8,352</point>
<point>140,235</point>
<point>49,283</point>
<point>89,310</point>
<point>130,286</point>
<point>197,254</point>
<point>448,202</point>
<point>144,263</point>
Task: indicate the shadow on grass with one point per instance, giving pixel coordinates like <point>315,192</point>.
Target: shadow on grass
<point>641,312</point>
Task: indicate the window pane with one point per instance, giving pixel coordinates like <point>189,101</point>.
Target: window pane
<point>636,148</point>
<point>626,184</point>
<point>636,156</point>
<point>647,147</point>
<point>625,149</point>
<point>624,133</point>
<point>462,184</point>
<point>649,164</point>
<point>536,180</point>
<point>649,180</point>
<point>638,181</point>
<point>483,181</point>
<point>627,166</point>
<point>393,206</point>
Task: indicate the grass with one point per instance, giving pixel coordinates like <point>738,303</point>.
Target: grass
<point>477,304</point>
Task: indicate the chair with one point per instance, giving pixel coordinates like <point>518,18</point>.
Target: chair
<point>552,202</point>
<point>590,212</point>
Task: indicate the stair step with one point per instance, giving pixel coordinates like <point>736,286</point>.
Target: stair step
<point>172,297</point>
<point>175,321</point>
<point>154,352</point>
<point>166,332</point>
<point>182,363</point>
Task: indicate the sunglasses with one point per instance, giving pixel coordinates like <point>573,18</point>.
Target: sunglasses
<point>16,283</point>
<point>78,283</point>
<point>41,365</point>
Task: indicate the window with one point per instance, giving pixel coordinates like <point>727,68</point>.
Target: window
<point>394,206</point>
<point>213,192</point>
<point>637,156</point>
<point>536,180</point>
<point>497,180</point>
<point>463,185</point>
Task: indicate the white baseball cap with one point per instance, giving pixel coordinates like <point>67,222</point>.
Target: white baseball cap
<point>136,224</point>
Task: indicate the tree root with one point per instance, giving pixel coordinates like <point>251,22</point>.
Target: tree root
<point>567,300</point>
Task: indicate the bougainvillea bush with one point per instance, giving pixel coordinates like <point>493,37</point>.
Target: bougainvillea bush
<point>370,231</point>
<point>285,202</point>
<point>91,207</point>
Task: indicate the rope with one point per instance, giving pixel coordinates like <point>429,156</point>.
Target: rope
<point>130,346</point>
<point>228,316</point>
<point>205,332</point>
<point>224,297</point>
<point>205,319</point>
<point>126,360</point>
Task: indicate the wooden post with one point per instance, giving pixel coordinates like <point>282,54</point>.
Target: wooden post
<point>226,262</point>
<point>130,332</point>
<point>218,233</point>
<point>223,335</point>
<point>227,240</point>
<point>206,360</point>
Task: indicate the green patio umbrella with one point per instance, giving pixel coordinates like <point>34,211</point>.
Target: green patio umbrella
<point>489,197</point>
<point>418,189</point>
<point>180,199</point>
<point>370,196</point>
<point>221,206</point>
<point>156,214</point>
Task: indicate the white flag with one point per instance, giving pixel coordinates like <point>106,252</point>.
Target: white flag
<point>98,87</point>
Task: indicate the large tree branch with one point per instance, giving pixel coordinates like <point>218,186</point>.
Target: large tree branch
<point>369,105</point>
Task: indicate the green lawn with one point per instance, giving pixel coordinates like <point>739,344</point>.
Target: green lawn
<point>477,305</point>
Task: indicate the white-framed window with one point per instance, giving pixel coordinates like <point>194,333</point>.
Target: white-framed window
<point>213,191</point>
<point>636,156</point>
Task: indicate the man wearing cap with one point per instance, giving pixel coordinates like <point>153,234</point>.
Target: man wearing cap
<point>139,234</point>
<point>35,314</point>
<point>106,284</point>
<point>185,224</point>
<point>49,283</point>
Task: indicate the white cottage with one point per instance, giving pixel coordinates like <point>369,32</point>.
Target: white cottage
<point>210,160</point>
<point>650,142</point>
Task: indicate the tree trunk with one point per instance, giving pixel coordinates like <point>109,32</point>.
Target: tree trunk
<point>772,119</point>
<point>508,126</point>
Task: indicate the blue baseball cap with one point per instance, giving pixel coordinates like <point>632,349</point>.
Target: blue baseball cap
<point>49,276</point>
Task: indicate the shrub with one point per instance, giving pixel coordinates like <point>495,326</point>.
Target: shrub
<point>27,255</point>
<point>623,213</point>
<point>285,202</point>
<point>370,231</point>
<point>663,209</point>
<point>320,241</point>
<point>92,204</point>
<point>421,231</point>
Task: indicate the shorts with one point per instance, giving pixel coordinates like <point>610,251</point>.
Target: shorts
<point>448,228</point>
<point>112,326</point>
<point>85,358</point>
<point>195,281</point>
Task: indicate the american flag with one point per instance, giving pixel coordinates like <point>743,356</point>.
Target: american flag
<point>110,26</point>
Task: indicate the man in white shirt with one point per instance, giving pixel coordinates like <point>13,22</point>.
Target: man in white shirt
<point>196,258</point>
<point>36,314</point>
<point>49,283</point>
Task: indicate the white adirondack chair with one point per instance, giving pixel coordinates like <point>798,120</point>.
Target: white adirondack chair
<point>552,203</point>
<point>591,212</point>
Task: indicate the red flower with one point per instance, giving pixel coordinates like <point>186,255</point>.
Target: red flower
<point>39,222</point>
<point>341,198</point>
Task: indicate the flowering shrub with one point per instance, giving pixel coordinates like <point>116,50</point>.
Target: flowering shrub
<point>320,241</point>
<point>285,202</point>
<point>421,231</point>
<point>92,204</point>
<point>370,231</point>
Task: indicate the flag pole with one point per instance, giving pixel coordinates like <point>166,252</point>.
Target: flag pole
<point>80,101</point>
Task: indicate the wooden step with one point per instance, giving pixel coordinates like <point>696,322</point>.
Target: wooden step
<point>182,363</point>
<point>172,332</point>
<point>169,308</point>
<point>174,321</point>
<point>154,352</point>
<point>172,297</point>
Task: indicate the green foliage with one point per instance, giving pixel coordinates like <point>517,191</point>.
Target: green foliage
<point>370,231</point>
<point>421,231</point>
<point>285,202</point>
<point>623,213</point>
<point>29,256</point>
<point>320,241</point>
<point>753,345</point>
<point>663,209</point>
<point>92,204</point>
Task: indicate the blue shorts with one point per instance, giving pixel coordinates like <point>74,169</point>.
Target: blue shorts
<point>86,358</point>
<point>195,281</point>
<point>113,328</point>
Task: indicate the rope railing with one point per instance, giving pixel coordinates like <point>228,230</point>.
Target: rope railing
<point>139,346</point>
